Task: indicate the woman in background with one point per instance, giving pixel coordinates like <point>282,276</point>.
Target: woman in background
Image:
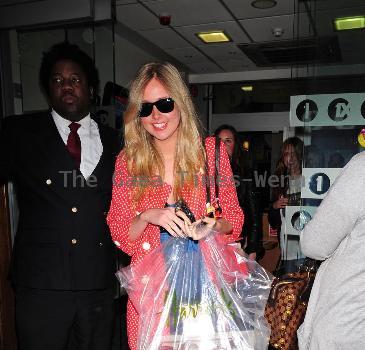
<point>288,172</point>
<point>247,196</point>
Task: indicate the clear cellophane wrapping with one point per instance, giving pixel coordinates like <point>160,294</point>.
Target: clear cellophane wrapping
<point>198,295</point>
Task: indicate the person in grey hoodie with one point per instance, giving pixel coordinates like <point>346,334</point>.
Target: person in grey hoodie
<point>335,318</point>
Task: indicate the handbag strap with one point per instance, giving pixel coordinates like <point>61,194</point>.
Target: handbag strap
<point>216,172</point>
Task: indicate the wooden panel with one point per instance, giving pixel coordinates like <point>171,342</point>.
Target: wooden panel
<point>7,310</point>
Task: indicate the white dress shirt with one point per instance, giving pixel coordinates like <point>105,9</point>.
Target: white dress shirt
<point>91,146</point>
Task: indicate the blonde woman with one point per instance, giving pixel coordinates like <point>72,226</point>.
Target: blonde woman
<point>163,161</point>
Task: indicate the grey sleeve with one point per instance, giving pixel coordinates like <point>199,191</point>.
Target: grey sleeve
<point>338,213</point>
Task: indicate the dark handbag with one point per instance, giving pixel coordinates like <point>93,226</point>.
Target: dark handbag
<point>287,304</point>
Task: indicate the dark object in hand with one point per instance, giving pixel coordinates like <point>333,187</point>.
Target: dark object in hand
<point>181,205</point>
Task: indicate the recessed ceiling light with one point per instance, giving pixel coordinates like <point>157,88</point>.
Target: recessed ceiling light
<point>247,88</point>
<point>214,37</point>
<point>347,23</point>
<point>263,4</point>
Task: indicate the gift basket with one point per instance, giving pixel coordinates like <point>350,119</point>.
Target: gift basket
<point>198,295</point>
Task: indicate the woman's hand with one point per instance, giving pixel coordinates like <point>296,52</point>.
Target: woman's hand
<point>252,256</point>
<point>201,228</point>
<point>167,219</point>
<point>198,229</point>
<point>282,202</point>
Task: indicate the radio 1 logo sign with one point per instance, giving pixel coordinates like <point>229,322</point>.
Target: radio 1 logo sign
<point>339,109</point>
<point>306,111</point>
<point>326,110</point>
<point>319,183</point>
<point>363,109</point>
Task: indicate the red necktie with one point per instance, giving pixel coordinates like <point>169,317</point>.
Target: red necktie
<point>74,143</point>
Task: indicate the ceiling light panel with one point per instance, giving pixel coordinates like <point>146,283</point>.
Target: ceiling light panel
<point>348,23</point>
<point>213,37</point>
<point>231,28</point>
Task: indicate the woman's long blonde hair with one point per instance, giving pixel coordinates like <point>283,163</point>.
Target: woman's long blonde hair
<point>142,156</point>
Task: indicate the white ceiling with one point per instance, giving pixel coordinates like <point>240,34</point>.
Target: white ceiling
<point>244,24</point>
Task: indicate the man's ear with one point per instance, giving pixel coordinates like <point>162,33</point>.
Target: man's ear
<point>91,92</point>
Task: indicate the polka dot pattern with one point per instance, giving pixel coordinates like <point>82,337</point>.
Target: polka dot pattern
<point>121,214</point>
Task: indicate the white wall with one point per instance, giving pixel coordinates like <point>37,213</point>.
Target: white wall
<point>270,121</point>
<point>201,104</point>
<point>278,73</point>
<point>15,69</point>
<point>31,46</point>
<point>128,58</point>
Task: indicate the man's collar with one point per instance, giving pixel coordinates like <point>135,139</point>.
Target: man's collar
<point>64,123</point>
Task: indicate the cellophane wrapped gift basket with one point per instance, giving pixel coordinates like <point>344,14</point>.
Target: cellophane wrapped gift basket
<point>198,295</point>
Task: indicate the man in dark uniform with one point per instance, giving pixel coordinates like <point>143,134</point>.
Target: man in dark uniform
<point>62,163</point>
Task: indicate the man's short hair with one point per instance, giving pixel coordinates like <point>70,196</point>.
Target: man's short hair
<point>67,51</point>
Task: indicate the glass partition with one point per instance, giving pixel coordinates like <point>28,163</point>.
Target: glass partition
<point>329,116</point>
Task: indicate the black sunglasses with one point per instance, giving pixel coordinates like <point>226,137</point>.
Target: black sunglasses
<point>164,105</point>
